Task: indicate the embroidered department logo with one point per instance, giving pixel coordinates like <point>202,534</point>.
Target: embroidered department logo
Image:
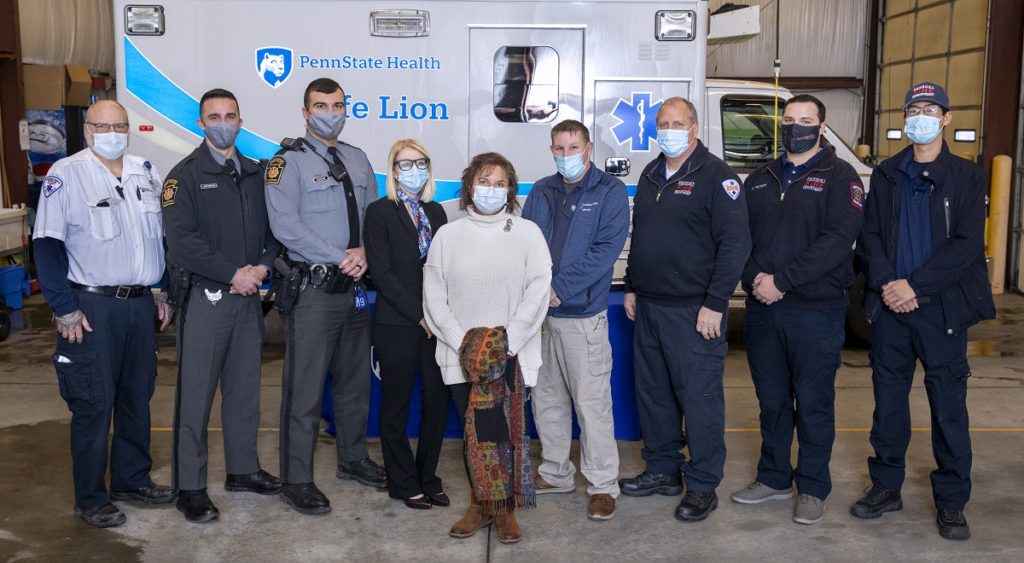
<point>684,187</point>
<point>170,190</point>
<point>758,187</point>
<point>732,188</point>
<point>857,196</point>
<point>814,184</point>
<point>51,184</point>
<point>274,170</point>
<point>636,121</point>
<point>274,65</point>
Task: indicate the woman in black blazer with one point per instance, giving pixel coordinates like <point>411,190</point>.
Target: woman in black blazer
<point>398,230</point>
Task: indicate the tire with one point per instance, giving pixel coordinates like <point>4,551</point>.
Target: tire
<point>5,326</point>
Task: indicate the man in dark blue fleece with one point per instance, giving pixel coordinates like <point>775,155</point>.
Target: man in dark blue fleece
<point>584,215</point>
<point>806,209</point>
<point>923,252</point>
<point>690,242</point>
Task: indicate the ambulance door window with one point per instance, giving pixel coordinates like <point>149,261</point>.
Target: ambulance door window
<point>748,130</point>
<point>525,84</point>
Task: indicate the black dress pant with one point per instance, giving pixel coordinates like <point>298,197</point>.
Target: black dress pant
<point>402,351</point>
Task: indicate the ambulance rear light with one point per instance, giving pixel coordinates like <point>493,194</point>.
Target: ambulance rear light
<point>894,134</point>
<point>400,23</point>
<point>144,19</point>
<point>674,25</point>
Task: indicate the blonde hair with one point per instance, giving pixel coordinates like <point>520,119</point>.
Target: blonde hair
<point>392,186</point>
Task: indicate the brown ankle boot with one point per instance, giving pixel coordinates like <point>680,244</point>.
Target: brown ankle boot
<point>508,528</point>
<point>474,519</point>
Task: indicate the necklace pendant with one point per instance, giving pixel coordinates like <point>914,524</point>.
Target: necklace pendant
<point>508,225</point>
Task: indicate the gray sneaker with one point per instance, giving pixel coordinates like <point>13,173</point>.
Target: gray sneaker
<point>809,510</point>
<point>758,492</point>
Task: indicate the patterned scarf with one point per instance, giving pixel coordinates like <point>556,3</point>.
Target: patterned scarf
<point>497,447</point>
<point>422,223</point>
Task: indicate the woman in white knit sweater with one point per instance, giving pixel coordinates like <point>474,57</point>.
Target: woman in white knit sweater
<point>488,269</point>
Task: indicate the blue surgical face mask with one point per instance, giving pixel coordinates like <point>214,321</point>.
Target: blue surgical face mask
<point>922,129</point>
<point>489,200</point>
<point>413,179</point>
<point>326,125</point>
<point>570,167</point>
<point>673,142</point>
<point>110,145</point>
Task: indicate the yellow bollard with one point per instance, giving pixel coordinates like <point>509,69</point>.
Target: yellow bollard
<point>999,219</point>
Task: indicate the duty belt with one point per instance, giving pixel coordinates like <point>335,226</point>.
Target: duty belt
<point>118,291</point>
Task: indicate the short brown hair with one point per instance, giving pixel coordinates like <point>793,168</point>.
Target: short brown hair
<point>481,163</point>
<point>570,126</point>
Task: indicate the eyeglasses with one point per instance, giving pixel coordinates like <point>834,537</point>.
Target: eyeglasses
<point>930,109</point>
<point>106,127</point>
<point>420,163</point>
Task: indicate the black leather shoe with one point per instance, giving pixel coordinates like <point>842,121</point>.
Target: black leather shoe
<point>953,525</point>
<point>647,484</point>
<point>305,498</point>
<point>422,503</point>
<point>197,506</point>
<point>439,499</point>
<point>696,506</point>
<point>106,516</point>
<point>365,471</point>
<point>261,483</point>
<point>150,494</point>
<point>877,502</point>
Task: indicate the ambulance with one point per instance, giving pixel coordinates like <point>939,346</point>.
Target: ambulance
<point>463,77</point>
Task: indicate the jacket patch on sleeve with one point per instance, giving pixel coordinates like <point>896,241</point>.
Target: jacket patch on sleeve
<point>170,190</point>
<point>51,184</point>
<point>857,196</point>
<point>275,168</point>
<point>732,188</point>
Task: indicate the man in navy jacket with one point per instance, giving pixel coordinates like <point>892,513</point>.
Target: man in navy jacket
<point>922,249</point>
<point>584,215</point>
<point>806,209</point>
<point>690,242</point>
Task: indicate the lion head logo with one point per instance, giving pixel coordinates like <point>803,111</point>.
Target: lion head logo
<point>274,65</point>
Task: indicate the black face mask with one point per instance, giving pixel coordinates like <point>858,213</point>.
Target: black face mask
<point>799,139</point>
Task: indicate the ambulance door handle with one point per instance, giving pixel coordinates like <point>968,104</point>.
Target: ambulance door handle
<point>617,165</point>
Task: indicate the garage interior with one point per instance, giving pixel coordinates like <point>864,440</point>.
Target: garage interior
<point>858,56</point>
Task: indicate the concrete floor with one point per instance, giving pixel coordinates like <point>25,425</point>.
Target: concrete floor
<point>36,497</point>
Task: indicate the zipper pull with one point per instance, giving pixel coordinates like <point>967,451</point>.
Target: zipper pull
<point>657,197</point>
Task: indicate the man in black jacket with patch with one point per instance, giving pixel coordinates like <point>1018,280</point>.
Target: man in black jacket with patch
<point>690,241</point>
<point>806,209</point>
<point>923,254</point>
<point>215,218</point>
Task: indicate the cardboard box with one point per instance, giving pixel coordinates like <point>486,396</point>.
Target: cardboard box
<point>55,86</point>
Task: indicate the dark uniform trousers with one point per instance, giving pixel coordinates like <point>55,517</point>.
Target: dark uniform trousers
<point>898,341</point>
<point>678,372</point>
<point>793,355</point>
<point>109,376</point>
<point>402,350</point>
<point>218,343</point>
<point>324,332</point>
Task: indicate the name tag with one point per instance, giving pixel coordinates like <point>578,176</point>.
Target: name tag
<point>207,186</point>
<point>319,177</point>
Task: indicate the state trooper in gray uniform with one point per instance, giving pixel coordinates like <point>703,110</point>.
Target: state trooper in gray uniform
<point>317,192</point>
<point>219,250</point>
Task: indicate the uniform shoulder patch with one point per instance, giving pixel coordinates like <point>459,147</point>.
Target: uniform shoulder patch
<point>857,196</point>
<point>51,184</point>
<point>168,193</point>
<point>732,188</point>
<point>275,169</point>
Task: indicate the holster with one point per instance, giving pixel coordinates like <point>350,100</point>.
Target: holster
<point>180,287</point>
<point>288,282</point>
